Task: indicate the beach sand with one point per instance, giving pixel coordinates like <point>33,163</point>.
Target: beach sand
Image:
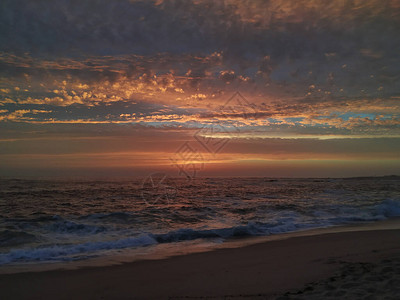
<point>360,263</point>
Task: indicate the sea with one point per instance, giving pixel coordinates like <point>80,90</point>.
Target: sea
<point>62,221</point>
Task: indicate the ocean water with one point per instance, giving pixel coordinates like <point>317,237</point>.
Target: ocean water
<point>62,221</point>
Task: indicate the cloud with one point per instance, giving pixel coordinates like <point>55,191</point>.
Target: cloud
<point>152,50</point>
<point>310,70</point>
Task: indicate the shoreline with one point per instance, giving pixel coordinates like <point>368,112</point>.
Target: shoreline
<point>268,267</point>
<point>169,250</point>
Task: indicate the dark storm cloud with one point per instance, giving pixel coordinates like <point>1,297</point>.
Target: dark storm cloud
<point>97,52</point>
<point>241,28</point>
<point>343,48</point>
<point>101,27</point>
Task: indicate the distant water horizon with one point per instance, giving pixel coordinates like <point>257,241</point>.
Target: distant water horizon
<point>64,220</point>
<point>174,176</point>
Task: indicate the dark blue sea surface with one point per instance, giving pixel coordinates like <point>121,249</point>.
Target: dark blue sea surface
<point>58,221</point>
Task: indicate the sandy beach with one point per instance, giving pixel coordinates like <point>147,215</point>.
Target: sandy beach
<point>353,263</point>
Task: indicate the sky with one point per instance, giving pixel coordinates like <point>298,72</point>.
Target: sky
<point>273,88</point>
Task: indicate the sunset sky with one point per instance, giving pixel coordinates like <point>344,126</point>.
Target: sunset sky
<point>279,88</point>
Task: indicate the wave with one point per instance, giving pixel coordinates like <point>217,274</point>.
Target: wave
<point>251,229</point>
<point>67,252</point>
<point>287,220</point>
<point>389,208</point>
<point>66,226</point>
<point>85,250</point>
<point>109,216</point>
<point>10,238</point>
<point>55,224</point>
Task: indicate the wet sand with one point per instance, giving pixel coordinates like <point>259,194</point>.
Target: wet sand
<point>348,264</point>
